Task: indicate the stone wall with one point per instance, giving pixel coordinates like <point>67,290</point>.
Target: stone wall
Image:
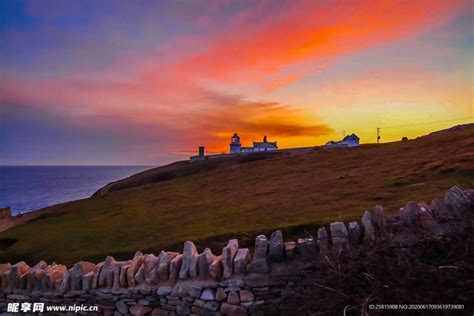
<point>235,282</point>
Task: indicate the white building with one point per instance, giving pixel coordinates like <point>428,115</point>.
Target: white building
<point>348,141</point>
<point>236,146</point>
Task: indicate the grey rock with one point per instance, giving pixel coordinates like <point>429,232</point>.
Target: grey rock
<point>77,271</point>
<point>133,268</point>
<point>369,230</point>
<point>150,268</point>
<point>228,254</point>
<point>107,273</point>
<point>205,259</point>
<point>322,240</point>
<point>195,291</point>
<point>175,267</point>
<point>220,294</point>
<point>87,281</point>
<point>379,221</point>
<point>139,310</point>
<point>354,233</point>
<point>189,252</point>
<point>277,247</point>
<point>339,234</point>
<point>212,306</point>
<point>199,303</point>
<point>215,269</point>
<point>290,247</point>
<point>233,298</point>
<point>193,268</point>
<point>409,215</point>
<point>246,296</point>
<point>121,307</point>
<point>208,295</point>
<point>306,249</point>
<point>259,263</point>
<point>163,290</point>
<point>165,259</point>
<point>241,260</point>
<point>233,310</point>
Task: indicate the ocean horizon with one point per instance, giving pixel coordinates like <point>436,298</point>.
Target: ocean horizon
<point>28,188</point>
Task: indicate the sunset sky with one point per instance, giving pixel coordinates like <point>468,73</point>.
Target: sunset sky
<point>147,82</point>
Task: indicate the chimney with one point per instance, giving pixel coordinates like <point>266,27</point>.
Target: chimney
<point>201,151</point>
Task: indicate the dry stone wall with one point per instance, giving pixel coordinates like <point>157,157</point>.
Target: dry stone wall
<point>235,282</point>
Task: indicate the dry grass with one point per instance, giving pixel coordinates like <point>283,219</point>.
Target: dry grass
<point>292,192</point>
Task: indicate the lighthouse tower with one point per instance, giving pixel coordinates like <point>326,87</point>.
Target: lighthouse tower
<point>235,145</point>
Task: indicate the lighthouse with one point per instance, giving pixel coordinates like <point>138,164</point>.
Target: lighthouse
<point>235,145</point>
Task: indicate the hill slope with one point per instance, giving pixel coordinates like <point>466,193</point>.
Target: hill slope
<point>242,199</point>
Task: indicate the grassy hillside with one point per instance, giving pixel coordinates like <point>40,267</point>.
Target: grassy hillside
<point>293,192</point>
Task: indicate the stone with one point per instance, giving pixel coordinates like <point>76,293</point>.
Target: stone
<point>306,249</point>
<point>369,230</point>
<point>54,274</point>
<point>35,275</point>
<point>212,306</point>
<point>428,222</point>
<point>80,268</point>
<point>241,260</point>
<point>204,260</point>
<point>339,234</point>
<point>95,278</point>
<point>379,221</point>
<point>220,294</point>
<point>195,291</point>
<point>15,273</point>
<point>322,240</point>
<point>121,307</point>
<point>409,215</point>
<point>246,296</point>
<point>208,295</point>
<point>159,312</point>
<point>165,259</point>
<point>139,310</point>
<point>123,280</point>
<point>150,268</point>
<point>232,310</point>
<point>66,282</point>
<point>133,268</point>
<point>87,281</point>
<point>140,276</point>
<point>290,247</point>
<point>4,267</point>
<point>194,268</point>
<point>116,277</point>
<point>233,298</point>
<point>107,273</point>
<point>163,290</point>
<point>354,233</point>
<point>259,263</point>
<point>189,252</point>
<point>175,267</point>
<point>277,247</point>
<point>199,303</point>
<point>228,254</point>
<point>458,201</point>
<point>179,291</point>
<point>215,269</point>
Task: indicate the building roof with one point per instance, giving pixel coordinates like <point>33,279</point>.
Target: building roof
<point>350,136</point>
<point>265,145</point>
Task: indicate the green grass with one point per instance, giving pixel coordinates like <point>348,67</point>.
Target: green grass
<point>294,193</point>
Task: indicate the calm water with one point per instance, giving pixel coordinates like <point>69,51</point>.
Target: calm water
<point>25,189</point>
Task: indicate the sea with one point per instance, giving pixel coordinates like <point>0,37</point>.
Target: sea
<point>29,188</point>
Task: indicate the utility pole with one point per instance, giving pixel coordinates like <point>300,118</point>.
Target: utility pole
<point>378,135</point>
